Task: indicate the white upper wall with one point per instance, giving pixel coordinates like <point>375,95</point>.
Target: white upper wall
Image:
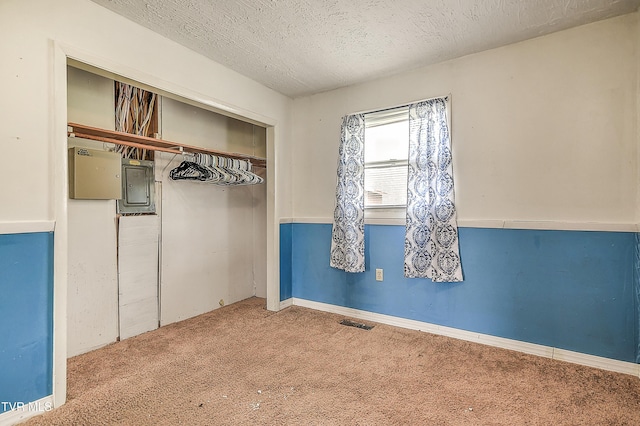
<point>27,28</point>
<point>542,130</point>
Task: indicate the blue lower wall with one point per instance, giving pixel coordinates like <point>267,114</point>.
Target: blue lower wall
<point>285,262</point>
<point>573,290</point>
<point>26,317</point>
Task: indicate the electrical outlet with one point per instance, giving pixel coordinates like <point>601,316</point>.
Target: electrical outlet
<point>379,275</point>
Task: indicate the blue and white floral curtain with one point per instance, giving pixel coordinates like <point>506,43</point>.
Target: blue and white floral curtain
<point>347,236</point>
<point>431,235</point>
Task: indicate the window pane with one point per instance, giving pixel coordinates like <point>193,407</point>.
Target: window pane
<point>387,142</point>
<point>385,154</point>
<point>385,185</point>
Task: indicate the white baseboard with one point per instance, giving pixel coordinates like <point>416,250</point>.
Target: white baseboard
<point>485,339</point>
<point>26,410</point>
<point>597,362</point>
<point>286,303</point>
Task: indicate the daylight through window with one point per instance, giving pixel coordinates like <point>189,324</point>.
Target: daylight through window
<point>385,155</point>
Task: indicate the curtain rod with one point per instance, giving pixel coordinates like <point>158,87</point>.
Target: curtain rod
<point>446,97</point>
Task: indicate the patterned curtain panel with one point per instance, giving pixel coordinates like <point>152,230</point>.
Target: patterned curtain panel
<point>347,236</point>
<point>431,235</point>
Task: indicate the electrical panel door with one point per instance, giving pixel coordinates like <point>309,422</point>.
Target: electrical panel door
<point>138,189</point>
<point>94,174</point>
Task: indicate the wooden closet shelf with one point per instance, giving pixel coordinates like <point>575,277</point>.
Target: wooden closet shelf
<point>128,139</point>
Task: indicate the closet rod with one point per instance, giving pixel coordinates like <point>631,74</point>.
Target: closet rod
<point>136,141</point>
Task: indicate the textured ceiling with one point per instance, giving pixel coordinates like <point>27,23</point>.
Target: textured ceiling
<point>301,47</point>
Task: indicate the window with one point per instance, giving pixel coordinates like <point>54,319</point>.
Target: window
<point>385,155</point>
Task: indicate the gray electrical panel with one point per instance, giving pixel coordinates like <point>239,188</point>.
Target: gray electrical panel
<point>138,189</point>
<point>94,174</point>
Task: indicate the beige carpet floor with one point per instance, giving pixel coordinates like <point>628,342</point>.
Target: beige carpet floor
<point>244,365</point>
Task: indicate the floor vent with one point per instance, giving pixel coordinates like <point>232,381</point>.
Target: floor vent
<point>356,324</point>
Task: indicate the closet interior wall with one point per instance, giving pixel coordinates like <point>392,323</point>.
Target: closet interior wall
<point>213,238</point>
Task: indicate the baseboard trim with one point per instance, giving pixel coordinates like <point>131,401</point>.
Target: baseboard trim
<point>596,362</point>
<point>26,411</point>
<point>286,303</point>
<point>485,339</point>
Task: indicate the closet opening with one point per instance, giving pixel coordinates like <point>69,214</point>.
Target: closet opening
<point>168,249</point>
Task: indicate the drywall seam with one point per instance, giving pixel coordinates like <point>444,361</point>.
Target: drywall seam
<point>500,342</point>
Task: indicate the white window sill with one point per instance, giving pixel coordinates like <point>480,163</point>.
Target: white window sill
<point>385,216</point>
